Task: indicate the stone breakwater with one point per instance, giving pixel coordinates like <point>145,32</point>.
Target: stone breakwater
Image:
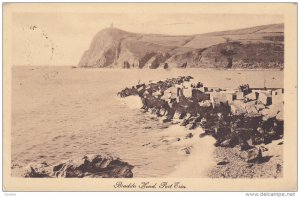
<point>243,117</point>
<point>90,166</point>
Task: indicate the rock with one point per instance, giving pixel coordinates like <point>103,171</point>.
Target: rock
<point>254,155</point>
<point>270,112</point>
<point>166,120</point>
<point>264,98</point>
<point>250,165</point>
<point>240,95</point>
<point>193,125</point>
<point>187,92</point>
<point>184,116</point>
<point>260,130</point>
<point>223,162</point>
<point>238,107</point>
<point>264,149</point>
<point>278,168</point>
<point>201,135</point>
<point>36,170</point>
<point>279,116</point>
<point>280,143</point>
<point>186,150</point>
<point>252,96</point>
<point>190,135</point>
<point>260,107</point>
<point>251,107</point>
<point>95,166</point>
<point>246,146</point>
<point>177,115</point>
<point>225,143</point>
<point>206,103</point>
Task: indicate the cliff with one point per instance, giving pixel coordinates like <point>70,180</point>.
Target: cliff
<point>256,47</point>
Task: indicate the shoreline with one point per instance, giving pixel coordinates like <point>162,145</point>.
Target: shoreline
<point>188,143</point>
<point>205,160</point>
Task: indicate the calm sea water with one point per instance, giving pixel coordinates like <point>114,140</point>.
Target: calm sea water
<point>60,113</point>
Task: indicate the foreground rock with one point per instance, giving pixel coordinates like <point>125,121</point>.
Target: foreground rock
<point>90,166</point>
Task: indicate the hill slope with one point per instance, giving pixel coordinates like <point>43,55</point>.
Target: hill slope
<point>255,47</point>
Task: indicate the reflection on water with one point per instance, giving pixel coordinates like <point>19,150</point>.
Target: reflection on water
<point>59,113</point>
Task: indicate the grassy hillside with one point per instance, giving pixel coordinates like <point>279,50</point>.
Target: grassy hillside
<point>249,48</point>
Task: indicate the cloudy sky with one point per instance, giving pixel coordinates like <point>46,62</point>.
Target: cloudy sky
<point>60,38</point>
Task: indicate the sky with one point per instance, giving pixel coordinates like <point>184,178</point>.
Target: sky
<point>60,38</point>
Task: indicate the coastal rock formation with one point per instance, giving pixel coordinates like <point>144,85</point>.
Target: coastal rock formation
<point>255,47</point>
<point>227,115</point>
<point>90,166</point>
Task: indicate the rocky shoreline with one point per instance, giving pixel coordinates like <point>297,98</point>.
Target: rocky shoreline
<point>89,166</point>
<point>231,163</point>
<point>246,123</point>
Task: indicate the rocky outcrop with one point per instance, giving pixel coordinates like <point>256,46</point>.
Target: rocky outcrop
<point>90,166</point>
<point>256,47</point>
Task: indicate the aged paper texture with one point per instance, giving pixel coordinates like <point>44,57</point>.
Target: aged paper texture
<point>150,97</point>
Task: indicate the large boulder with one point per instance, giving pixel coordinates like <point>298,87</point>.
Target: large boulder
<point>91,166</point>
<point>252,155</point>
<point>251,107</point>
<point>252,96</point>
<point>238,107</point>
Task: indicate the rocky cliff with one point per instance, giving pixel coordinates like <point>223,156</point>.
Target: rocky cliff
<point>255,47</point>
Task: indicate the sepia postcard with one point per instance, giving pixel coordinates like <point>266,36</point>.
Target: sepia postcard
<point>150,97</point>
